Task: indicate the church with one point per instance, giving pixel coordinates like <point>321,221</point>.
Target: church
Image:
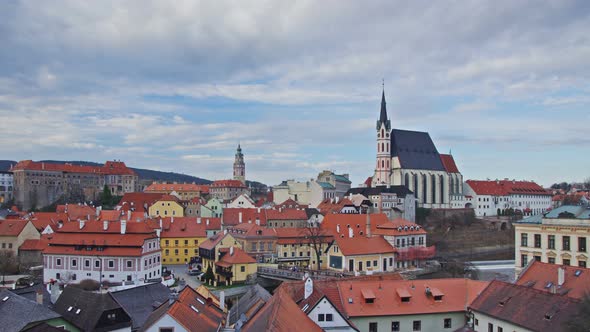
<point>410,158</point>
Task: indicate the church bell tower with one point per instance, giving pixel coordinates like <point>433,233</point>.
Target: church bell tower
<point>383,167</point>
<point>239,166</point>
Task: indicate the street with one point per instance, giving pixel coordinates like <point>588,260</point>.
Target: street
<point>181,272</point>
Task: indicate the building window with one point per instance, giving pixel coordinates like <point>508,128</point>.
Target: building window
<point>87,263</point>
<point>582,244</point>
<point>373,327</point>
<point>447,323</point>
<point>537,258</point>
<point>524,239</point>
<point>129,263</point>
<point>321,317</point>
<point>329,317</point>
<point>566,243</point>
<point>551,242</point>
<point>176,243</point>
<point>242,268</point>
<point>186,242</point>
<point>111,264</point>
<point>566,262</point>
<point>490,327</point>
<point>394,326</point>
<point>523,260</point>
<point>537,240</point>
<point>551,260</point>
<point>417,325</point>
<point>58,262</point>
<point>582,264</point>
<point>97,263</point>
<point>74,262</point>
<point>166,242</point>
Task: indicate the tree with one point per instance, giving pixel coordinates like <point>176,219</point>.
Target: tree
<point>8,263</point>
<point>208,276</point>
<point>580,322</point>
<point>314,237</point>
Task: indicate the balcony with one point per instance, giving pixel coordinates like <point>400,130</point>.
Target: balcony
<point>228,274</point>
<point>412,253</point>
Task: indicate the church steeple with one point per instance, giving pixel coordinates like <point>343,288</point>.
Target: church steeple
<point>383,114</point>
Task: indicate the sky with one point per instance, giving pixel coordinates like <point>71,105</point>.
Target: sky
<point>175,86</point>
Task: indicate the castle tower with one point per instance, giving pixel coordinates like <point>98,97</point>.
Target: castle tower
<point>239,166</point>
<point>383,167</point>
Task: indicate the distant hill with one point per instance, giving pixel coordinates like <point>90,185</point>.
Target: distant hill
<point>144,174</point>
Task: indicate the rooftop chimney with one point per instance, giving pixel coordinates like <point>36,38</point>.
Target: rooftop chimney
<point>560,276</point>
<point>82,222</point>
<point>308,288</point>
<point>105,225</point>
<point>129,214</point>
<point>368,231</point>
<point>198,220</point>
<point>222,300</point>
<point>207,222</point>
<point>240,217</point>
<point>40,297</point>
<point>258,221</point>
<point>172,220</point>
<point>231,250</point>
<point>123,226</point>
<point>350,234</point>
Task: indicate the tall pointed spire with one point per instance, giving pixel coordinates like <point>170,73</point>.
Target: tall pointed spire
<point>383,114</point>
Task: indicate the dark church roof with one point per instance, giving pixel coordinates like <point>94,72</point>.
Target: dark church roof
<point>383,114</point>
<point>400,191</point>
<point>415,150</point>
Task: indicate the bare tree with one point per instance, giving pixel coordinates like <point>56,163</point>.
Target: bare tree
<point>8,263</point>
<point>314,237</point>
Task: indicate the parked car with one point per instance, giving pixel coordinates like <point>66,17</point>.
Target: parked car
<point>195,272</point>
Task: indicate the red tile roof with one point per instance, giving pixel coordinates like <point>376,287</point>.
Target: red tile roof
<point>362,245</point>
<point>328,207</point>
<point>34,244</point>
<point>212,241</point>
<point>178,187</point>
<point>96,227</point>
<point>228,183</point>
<point>398,227</point>
<point>280,314</point>
<point>214,223</point>
<point>459,293</point>
<point>526,307</point>
<point>286,214</point>
<point>139,202</point>
<point>358,222</point>
<point>239,256</point>
<point>43,219</point>
<point>506,187</point>
<point>251,230</point>
<point>231,216</point>
<point>75,211</point>
<point>195,312</point>
<point>449,163</point>
<point>542,276</point>
<point>171,198</point>
<point>12,227</point>
<point>291,204</point>
<point>182,227</point>
<point>296,235</point>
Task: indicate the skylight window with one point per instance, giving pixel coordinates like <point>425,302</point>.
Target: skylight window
<point>70,308</point>
<point>549,284</point>
<point>78,311</point>
<point>195,309</point>
<point>200,301</point>
<point>5,299</point>
<point>577,273</point>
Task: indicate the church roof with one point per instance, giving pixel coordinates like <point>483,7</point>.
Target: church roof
<point>415,150</point>
<point>383,114</point>
<point>449,163</point>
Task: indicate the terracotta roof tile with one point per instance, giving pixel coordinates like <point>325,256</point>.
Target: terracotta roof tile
<point>449,163</point>
<point>228,183</point>
<point>231,216</point>
<point>286,214</point>
<point>333,222</point>
<point>182,227</point>
<point>178,187</point>
<point>362,245</point>
<point>194,312</point>
<point>529,308</point>
<point>543,276</point>
<point>12,227</point>
<point>506,187</point>
<point>138,201</point>
<point>239,256</point>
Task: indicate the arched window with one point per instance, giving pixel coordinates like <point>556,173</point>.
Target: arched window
<point>451,185</point>
<point>387,148</point>
<point>382,163</point>
<point>442,189</point>
<point>382,147</point>
<point>456,183</point>
<point>433,188</point>
<point>416,186</point>
<point>407,180</point>
<point>387,163</point>
<point>382,133</point>
<point>424,188</point>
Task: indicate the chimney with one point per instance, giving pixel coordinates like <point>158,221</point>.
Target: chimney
<point>207,222</point>
<point>172,297</point>
<point>560,276</point>
<point>249,221</point>
<point>158,232</point>
<point>40,296</point>
<point>54,291</point>
<point>128,214</point>
<point>222,301</point>
<point>350,234</point>
<point>258,210</point>
<point>198,220</point>
<point>368,231</point>
<point>258,221</point>
<point>308,288</point>
<point>160,223</point>
<point>240,217</point>
<point>172,220</point>
<point>97,211</point>
<point>105,225</point>
<point>338,228</point>
<point>82,222</point>
<point>123,226</point>
<point>231,250</point>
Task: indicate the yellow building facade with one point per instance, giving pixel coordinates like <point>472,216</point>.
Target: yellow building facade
<point>180,239</point>
<point>361,255</point>
<point>167,206</point>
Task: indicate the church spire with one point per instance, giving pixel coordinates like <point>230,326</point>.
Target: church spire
<point>383,114</point>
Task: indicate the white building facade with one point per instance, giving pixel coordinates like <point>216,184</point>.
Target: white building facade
<point>6,184</point>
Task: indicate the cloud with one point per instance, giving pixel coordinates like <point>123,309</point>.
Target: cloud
<point>297,83</point>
